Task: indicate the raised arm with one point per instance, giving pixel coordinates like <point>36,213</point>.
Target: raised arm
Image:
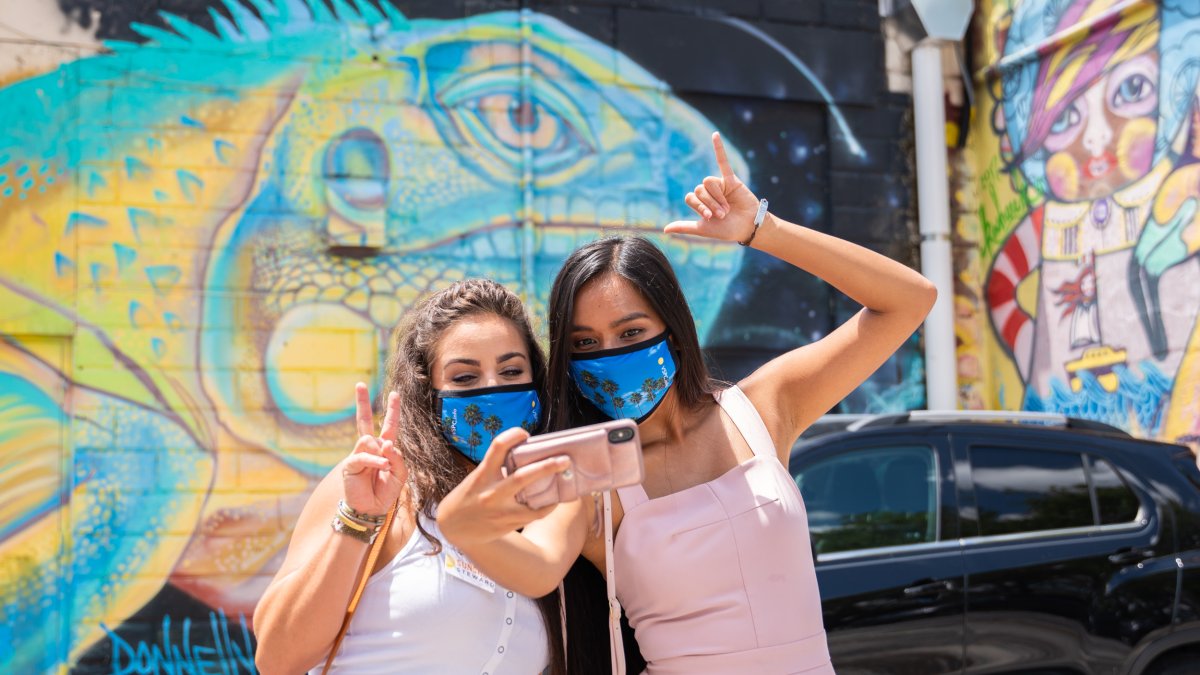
<point>481,517</point>
<point>301,610</point>
<point>794,389</point>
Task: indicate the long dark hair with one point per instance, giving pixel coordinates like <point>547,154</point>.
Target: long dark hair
<point>642,264</point>
<point>434,467</point>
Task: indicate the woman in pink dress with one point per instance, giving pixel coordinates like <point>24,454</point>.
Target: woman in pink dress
<point>712,559</point>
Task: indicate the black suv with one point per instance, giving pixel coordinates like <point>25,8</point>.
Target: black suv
<point>1002,543</point>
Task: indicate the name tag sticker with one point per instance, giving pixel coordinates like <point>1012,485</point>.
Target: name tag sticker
<point>458,566</point>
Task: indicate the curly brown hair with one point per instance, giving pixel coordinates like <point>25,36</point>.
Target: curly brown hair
<point>434,467</point>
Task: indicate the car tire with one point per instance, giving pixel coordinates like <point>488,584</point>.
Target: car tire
<point>1185,662</point>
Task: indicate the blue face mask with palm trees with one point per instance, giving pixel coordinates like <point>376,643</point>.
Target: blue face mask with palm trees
<point>471,418</point>
<point>627,382</point>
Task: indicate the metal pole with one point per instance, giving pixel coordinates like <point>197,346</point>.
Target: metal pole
<point>933,203</point>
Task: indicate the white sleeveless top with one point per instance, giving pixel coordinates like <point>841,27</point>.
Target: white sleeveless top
<point>437,614</point>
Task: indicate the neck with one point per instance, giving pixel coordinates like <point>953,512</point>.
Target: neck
<point>668,422</point>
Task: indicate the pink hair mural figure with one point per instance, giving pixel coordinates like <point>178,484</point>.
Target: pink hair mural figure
<point>1094,294</point>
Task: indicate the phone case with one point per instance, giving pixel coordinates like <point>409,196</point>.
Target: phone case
<point>598,462</point>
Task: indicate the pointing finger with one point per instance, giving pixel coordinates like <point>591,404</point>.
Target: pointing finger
<point>722,160</point>
<point>363,417</point>
<point>391,418</point>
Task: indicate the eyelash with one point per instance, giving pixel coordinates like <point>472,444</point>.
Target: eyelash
<point>467,378</point>
<point>584,343</point>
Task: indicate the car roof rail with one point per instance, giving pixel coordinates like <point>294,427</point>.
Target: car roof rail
<point>1005,416</point>
<point>833,422</point>
<point>1093,425</point>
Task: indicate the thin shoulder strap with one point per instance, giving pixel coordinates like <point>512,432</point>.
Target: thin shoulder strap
<point>616,645</point>
<point>749,423</point>
<point>631,496</point>
<point>562,616</point>
<point>376,547</point>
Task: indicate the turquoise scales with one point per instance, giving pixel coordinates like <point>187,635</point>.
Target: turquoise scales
<point>207,192</point>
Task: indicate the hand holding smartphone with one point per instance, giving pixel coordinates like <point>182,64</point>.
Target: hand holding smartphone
<point>603,457</point>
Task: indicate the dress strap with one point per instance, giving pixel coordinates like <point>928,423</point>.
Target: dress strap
<point>749,423</point>
<point>632,496</point>
<point>616,646</point>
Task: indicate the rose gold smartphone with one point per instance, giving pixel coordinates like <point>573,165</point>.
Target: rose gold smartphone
<point>603,457</point>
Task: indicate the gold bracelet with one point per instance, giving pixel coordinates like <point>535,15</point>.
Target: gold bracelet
<point>364,536</point>
<point>350,523</point>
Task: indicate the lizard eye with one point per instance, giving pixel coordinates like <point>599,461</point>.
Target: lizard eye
<point>491,112</point>
<point>356,169</point>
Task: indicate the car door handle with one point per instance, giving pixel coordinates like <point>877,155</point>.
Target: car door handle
<point>929,587</point>
<point>1130,555</point>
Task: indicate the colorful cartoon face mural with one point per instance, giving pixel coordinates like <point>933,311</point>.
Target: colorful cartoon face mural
<point>209,235</point>
<point>1094,287</point>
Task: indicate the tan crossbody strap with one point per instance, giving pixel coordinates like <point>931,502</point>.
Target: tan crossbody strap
<point>376,547</point>
<point>616,644</point>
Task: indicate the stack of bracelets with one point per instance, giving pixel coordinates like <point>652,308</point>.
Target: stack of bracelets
<point>361,526</point>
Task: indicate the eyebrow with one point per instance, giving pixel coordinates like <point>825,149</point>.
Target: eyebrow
<point>475,363</point>
<point>625,319</point>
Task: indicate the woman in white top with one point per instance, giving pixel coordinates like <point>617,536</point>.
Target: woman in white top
<point>464,366</point>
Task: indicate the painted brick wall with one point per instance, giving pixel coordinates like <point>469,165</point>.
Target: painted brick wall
<point>213,213</point>
<point>1079,287</point>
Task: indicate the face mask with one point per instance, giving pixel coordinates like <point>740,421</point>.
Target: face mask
<point>471,418</point>
<point>627,382</point>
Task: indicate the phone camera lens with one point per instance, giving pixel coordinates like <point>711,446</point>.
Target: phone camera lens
<point>619,435</point>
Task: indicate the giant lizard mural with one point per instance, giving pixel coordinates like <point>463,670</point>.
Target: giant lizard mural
<point>224,225</point>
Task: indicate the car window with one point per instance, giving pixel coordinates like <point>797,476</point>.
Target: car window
<point>871,497</point>
<point>1022,490</point>
<point>1117,503</point>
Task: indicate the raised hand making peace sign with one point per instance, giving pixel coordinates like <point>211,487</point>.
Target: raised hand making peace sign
<point>725,204</point>
<point>374,475</point>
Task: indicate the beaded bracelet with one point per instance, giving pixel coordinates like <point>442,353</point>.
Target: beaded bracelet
<point>359,516</point>
<point>361,526</point>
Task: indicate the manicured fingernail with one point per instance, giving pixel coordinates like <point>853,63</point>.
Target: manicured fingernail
<point>720,213</point>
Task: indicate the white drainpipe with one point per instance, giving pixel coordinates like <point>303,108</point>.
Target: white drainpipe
<point>933,203</point>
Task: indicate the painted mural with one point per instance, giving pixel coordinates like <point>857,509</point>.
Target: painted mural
<point>208,233</point>
<point>1088,163</point>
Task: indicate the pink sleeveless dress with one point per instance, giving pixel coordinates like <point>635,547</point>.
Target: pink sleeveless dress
<point>719,578</point>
